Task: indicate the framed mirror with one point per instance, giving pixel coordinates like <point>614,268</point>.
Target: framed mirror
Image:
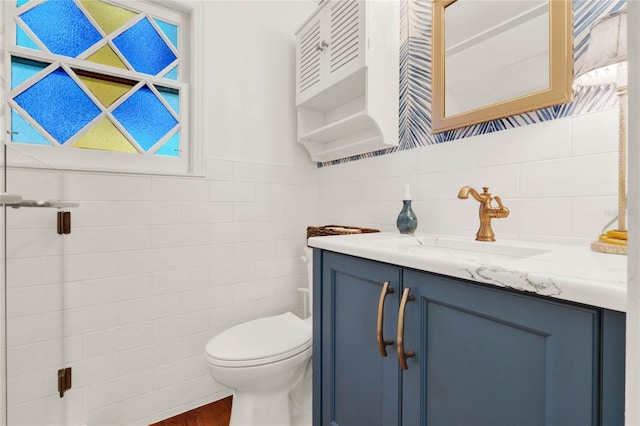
<point>498,58</point>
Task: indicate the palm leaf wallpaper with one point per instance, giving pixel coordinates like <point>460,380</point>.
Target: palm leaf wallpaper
<point>415,81</point>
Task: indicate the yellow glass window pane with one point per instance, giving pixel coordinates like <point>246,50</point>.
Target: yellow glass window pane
<point>105,136</point>
<point>108,16</point>
<point>106,91</point>
<point>106,56</point>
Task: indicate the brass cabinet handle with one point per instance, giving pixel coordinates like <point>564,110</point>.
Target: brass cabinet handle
<point>382,343</point>
<point>402,355</point>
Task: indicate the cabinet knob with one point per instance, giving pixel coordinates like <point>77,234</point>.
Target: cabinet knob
<point>382,343</point>
<point>402,355</point>
<point>322,45</point>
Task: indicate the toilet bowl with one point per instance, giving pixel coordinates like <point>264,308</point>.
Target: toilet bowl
<point>262,360</point>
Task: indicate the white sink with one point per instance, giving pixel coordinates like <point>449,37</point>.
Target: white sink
<point>465,247</point>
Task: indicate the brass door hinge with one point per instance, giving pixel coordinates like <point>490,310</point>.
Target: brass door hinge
<point>64,380</point>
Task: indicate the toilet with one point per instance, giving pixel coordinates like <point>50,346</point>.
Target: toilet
<point>267,363</point>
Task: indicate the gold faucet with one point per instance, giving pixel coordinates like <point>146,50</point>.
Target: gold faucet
<point>487,212</point>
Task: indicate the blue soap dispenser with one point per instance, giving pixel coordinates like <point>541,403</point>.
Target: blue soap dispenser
<point>407,221</point>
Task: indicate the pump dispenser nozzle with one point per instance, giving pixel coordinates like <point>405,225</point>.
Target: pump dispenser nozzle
<point>407,192</point>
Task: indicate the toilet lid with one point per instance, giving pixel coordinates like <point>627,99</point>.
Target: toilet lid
<point>260,341</point>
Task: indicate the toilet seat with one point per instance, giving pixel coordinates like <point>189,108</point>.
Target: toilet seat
<point>258,342</point>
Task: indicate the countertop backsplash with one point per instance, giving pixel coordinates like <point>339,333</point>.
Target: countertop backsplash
<point>558,179</point>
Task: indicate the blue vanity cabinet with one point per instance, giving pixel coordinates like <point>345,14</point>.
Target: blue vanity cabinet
<point>487,356</point>
<point>357,385</point>
<point>481,355</point>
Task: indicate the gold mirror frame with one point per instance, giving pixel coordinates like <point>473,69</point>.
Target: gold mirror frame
<point>560,72</point>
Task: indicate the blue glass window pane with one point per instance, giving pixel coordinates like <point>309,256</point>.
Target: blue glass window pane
<point>170,30</point>
<point>171,96</point>
<point>171,148</point>
<point>172,74</point>
<point>58,105</point>
<point>23,69</point>
<point>145,117</point>
<point>143,47</point>
<point>62,27</point>
<point>21,131</point>
<point>22,39</point>
<point>21,2</point>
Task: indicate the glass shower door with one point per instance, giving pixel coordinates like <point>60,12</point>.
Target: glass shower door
<point>36,298</point>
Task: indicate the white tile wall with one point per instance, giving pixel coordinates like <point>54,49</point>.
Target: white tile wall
<point>595,134</point>
<point>558,178</point>
<point>154,267</point>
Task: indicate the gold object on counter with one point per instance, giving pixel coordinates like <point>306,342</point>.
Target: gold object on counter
<point>487,212</point>
<point>611,242</point>
<point>615,241</point>
<point>605,62</point>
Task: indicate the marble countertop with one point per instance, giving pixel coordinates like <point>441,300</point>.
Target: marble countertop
<point>566,272</point>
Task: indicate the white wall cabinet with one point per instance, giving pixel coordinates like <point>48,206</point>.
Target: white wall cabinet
<point>347,78</point>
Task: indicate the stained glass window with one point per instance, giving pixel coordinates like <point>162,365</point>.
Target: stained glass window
<point>22,39</point>
<point>144,48</point>
<point>97,75</point>
<point>145,117</point>
<point>58,104</point>
<point>24,69</point>
<point>61,26</point>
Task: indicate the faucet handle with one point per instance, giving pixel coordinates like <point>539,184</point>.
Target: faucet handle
<point>500,206</point>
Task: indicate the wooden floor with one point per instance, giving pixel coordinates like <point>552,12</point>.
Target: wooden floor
<point>215,414</point>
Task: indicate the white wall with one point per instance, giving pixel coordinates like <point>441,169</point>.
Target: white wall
<point>156,265</point>
<point>250,74</point>
<point>558,178</point>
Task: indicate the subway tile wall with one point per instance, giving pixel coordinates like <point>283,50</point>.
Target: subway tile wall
<point>558,178</point>
<point>154,267</point>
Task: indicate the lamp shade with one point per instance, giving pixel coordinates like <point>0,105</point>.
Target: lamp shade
<point>607,48</point>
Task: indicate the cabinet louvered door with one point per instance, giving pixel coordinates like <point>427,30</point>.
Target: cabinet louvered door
<point>309,57</point>
<point>345,35</point>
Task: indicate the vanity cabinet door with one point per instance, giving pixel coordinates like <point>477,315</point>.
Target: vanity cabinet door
<point>358,385</point>
<point>487,356</point>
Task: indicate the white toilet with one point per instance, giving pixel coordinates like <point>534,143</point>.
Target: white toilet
<point>263,361</point>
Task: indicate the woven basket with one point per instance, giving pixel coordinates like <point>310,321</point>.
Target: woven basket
<point>321,231</point>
